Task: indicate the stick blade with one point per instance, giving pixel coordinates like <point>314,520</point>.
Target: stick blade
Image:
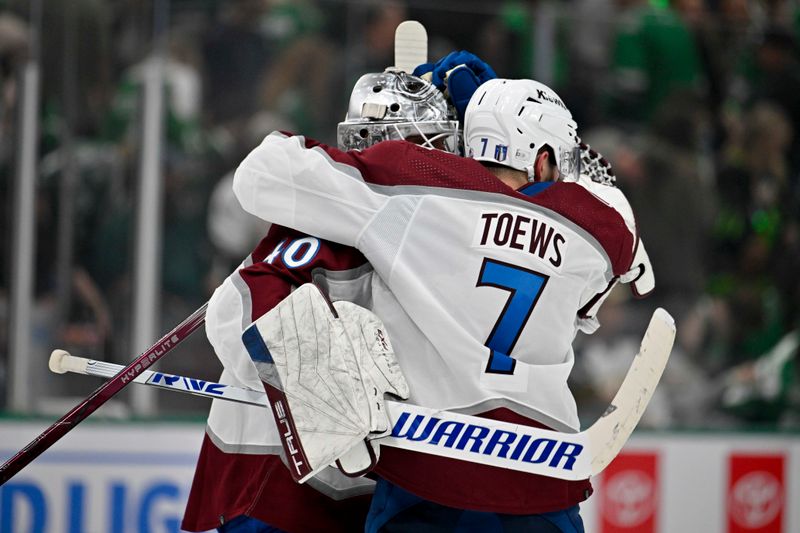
<point>609,434</point>
<point>410,45</point>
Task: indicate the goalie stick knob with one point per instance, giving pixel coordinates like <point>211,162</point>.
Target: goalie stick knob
<point>62,362</point>
<point>56,361</point>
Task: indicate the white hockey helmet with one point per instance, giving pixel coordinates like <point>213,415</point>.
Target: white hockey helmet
<point>396,105</point>
<point>509,121</point>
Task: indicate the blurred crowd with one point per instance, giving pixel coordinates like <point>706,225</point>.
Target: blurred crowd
<point>695,103</point>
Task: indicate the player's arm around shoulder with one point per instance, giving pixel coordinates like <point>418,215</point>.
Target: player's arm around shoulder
<point>598,178</point>
<point>308,186</point>
<point>640,275</point>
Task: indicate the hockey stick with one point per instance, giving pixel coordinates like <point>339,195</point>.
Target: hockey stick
<point>470,438</point>
<point>611,431</point>
<point>62,361</point>
<point>101,395</point>
<point>410,45</point>
<point>550,453</point>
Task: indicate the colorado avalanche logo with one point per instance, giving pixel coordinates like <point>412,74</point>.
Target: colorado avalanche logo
<point>500,152</point>
<point>756,499</point>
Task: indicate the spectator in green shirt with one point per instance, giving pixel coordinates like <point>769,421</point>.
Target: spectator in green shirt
<point>653,54</point>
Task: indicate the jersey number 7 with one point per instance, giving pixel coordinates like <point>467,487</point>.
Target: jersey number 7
<point>525,287</point>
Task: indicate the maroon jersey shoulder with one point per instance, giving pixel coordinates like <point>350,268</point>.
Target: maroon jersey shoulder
<point>599,219</point>
<point>404,163</point>
<point>407,164</point>
<point>287,258</point>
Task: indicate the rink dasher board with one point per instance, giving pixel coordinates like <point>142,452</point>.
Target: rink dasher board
<point>115,476</point>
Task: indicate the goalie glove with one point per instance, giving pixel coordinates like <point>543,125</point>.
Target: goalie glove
<point>325,368</point>
<point>596,167</point>
<point>597,176</point>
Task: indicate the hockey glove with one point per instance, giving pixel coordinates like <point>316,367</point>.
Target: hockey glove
<point>596,170</point>
<point>458,74</point>
<point>596,167</point>
<point>325,369</point>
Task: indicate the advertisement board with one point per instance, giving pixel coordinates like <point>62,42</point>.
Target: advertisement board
<point>629,489</point>
<point>126,478</point>
<point>113,478</point>
<point>756,496</point>
<point>699,482</point>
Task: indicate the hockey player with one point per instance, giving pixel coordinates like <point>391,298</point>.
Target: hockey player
<point>485,270</point>
<point>240,482</point>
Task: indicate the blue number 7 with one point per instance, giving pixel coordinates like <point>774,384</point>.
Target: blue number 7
<point>525,287</point>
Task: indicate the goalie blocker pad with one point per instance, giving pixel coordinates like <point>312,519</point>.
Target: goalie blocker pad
<point>325,368</point>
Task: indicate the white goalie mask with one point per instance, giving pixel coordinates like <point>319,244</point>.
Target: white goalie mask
<point>508,121</point>
<point>393,105</point>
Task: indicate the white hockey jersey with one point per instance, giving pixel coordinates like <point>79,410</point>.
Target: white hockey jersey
<point>492,280</point>
<point>481,287</point>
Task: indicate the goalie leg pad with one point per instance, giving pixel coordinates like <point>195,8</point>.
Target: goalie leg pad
<point>325,369</point>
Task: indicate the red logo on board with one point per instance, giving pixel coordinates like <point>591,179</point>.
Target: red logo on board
<point>629,494</point>
<point>756,493</point>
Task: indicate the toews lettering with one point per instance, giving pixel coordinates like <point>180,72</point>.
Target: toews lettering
<point>486,440</point>
<point>520,232</point>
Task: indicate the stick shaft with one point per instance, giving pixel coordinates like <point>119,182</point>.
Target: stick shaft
<point>189,385</point>
<point>101,395</point>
